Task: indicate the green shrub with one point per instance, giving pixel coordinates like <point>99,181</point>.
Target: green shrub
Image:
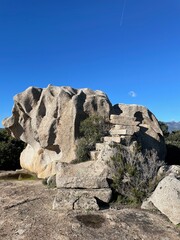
<point>82,151</point>
<point>174,138</point>
<point>10,150</point>
<point>92,129</point>
<point>172,141</point>
<point>135,174</point>
<point>173,148</point>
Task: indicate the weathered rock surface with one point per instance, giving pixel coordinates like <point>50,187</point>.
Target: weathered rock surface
<point>166,198</point>
<point>166,170</point>
<point>141,122</point>
<point>48,121</point>
<point>82,185</point>
<point>90,174</point>
<point>81,199</point>
<point>173,170</point>
<point>26,214</point>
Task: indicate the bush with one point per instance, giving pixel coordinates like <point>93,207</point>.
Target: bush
<point>10,150</point>
<point>83,150</point>
<point>135,174</point>
<point>92,129</point>
<point>172,141</point>
<point>173,148</point>
<point>174,138</point>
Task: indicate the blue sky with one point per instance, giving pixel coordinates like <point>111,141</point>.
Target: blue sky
<point>126,48</point>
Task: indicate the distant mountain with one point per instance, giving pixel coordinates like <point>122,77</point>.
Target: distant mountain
<point>173,126</point>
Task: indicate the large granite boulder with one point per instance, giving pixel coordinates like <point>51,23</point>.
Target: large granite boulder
<point>166,198</point>
<point>48,121</point>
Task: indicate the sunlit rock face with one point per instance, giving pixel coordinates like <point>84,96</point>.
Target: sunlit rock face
<point>48,121</point>
<point>166,198</point>
<point>142,125</point>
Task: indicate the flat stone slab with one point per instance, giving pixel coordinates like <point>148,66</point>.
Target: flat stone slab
<point>76,199</point>
<point>89,174</point>
<point>112,139</point>
<point>99,146</point>
<point>124,132</point>
<point>118,119</point>
<point>118,132</point>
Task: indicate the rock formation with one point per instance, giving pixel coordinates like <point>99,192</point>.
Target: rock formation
<point>83,186</point>
<point>166,197</point>
<point>48,121</point>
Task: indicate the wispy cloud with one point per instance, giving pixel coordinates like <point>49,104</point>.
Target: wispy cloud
<point>132,94</point>
<point>122,14</point>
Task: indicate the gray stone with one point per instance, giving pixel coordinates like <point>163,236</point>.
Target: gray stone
<point>126,131</point>
<point>148,205</point>
<point>90,174</point>
<point>86,202</point>
<point>118,131</point>
<point>166,198</point>
<point>85,199</point>
<point>174,170</point>
<point>110,139</point>
<point>166,170</point>
<point>99,146</point>
<point>122,120</point>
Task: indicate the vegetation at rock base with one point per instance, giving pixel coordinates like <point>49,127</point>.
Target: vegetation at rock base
<point>92,129</point>
<point>10,150</point>
<point>135,174</point>
<point>172,141</point>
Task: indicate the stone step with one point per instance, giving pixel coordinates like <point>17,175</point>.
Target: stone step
<point>115,116</point>
<point>118,119</point>
<point>118,131</point>
<point>99,146</point>
<point>94,155</point>
<point>129,131</point>
<point>119,127</point>
<point>112,139</point>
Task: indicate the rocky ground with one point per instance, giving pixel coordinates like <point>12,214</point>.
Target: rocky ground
<point>26,214</point>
